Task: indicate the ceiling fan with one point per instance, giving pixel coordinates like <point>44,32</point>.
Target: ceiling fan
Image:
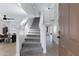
<point>6,18</point>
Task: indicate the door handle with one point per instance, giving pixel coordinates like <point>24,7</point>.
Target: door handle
<point>58,37</point>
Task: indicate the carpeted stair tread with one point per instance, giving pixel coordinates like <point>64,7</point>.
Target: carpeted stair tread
<point>30,51</point>
<point>33,37</point>
<point>35,40</point>
<point>33,34</point>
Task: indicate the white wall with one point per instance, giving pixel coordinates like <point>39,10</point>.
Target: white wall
<point>56,24</point>
<point>30,8</point>
<point>11,24</point>
<point>0,26</point>
<point>49,16</point>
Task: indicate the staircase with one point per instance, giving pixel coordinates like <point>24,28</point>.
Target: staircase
<point>32,46</point>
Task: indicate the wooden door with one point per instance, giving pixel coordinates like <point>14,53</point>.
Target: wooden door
<point>69,29</point>
<point>63,23</point>
<point>74,29</point>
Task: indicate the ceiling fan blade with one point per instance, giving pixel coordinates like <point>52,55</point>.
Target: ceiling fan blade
<point>5,18</point>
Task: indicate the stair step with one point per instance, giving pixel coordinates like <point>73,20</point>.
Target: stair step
<point>36,32</point>
<point>34,29</point>
<point>33,34</point>
<point>32,40</point>
<point>37,27</point>
<point>31,44</point>
<point>33,37</point>
<point>30,51</point>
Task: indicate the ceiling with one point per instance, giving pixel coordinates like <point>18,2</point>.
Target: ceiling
<point>12,10</point>
<point>22,10</point>
<point>30,9</point>
<point>35,8</point>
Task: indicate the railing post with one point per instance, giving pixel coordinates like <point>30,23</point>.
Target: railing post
<point>42,33</point>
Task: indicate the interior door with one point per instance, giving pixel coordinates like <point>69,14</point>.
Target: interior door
<point>69,29</point>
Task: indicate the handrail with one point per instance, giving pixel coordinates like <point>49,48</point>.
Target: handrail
<point>26,22</point>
